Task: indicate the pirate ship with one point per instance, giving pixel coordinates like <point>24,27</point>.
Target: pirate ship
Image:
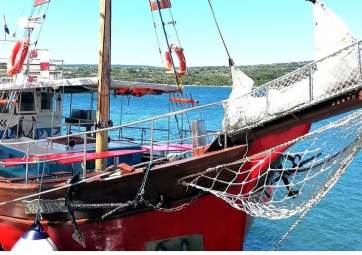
<point>142,186</point>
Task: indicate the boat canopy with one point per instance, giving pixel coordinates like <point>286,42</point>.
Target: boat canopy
<point>80,85</point>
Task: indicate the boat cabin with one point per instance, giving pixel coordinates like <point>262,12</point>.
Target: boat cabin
<point>34,113</point>
<point>39,137</point>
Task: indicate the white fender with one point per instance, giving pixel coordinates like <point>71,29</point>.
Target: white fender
<point>35,239</point>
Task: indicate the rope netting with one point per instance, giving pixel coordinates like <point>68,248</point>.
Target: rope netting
<point>290,178</point>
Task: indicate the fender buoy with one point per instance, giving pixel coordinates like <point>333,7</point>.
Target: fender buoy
<point>15,64</point>
<point>183,100</point>
<point>35,239</point>
<point>181,58</point>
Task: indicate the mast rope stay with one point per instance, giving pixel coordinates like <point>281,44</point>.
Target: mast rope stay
<point>173,21</point>
<point>157,36</point>
<point>158,5</point>
<point>231,61</point>
<point>17,94</point>
<point>167,42</point>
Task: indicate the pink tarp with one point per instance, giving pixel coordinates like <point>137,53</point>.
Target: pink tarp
<point>68,158</point>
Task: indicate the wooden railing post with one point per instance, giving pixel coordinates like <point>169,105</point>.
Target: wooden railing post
<point>152,138</point>
<point>84,155</point>
<point>27,164</point>
<point>267,99</point>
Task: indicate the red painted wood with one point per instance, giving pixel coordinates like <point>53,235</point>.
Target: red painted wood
<point>222,227</point>
<point>98,155</point>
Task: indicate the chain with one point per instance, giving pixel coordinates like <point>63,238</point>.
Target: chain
<point>173,209</point>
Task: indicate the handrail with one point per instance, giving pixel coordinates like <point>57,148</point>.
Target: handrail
<point>286,81</point>
<point>43,159</point>
<point>265,87</point>
<point>359,52</point>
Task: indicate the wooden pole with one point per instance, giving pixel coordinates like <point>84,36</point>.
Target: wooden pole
<point>104,80</point>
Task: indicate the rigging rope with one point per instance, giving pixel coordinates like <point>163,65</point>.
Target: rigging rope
<point>17,94</point>
<point>167,42</point>
<point>157,37</point>
<point>231,61</point>
<point>174,27</point>
<point>42,23</point>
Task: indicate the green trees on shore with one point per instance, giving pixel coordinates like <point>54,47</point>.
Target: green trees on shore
<point>209,75</point>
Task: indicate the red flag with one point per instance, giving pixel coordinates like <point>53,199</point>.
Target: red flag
<point>40,2</point>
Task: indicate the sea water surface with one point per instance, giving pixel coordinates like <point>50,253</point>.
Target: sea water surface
<point>334,224</point>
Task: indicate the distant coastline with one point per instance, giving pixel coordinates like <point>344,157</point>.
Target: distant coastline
<point>197,76</point>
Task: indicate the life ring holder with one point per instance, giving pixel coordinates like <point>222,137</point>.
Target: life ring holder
<point>15,64</point>
<point>181,71</point>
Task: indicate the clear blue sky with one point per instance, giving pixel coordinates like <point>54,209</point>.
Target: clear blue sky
<point>257,31</point>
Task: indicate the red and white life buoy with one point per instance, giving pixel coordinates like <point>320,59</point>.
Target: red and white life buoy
<point>181,58</point>
<point>16,61</point>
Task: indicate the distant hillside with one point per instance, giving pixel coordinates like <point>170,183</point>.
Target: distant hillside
<point>209,75</point>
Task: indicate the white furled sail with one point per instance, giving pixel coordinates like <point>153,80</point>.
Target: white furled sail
<point>314,82</point>
<point>331,33</point>
<point>242,85</point>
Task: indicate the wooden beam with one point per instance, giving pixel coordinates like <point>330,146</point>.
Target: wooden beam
<point>104,81</point>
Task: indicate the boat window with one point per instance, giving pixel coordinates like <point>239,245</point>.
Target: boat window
<point>46,101</point>
<point>27,102</point>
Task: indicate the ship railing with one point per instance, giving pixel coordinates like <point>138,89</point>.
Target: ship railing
<point>344,75</point>
<point>56,70</point>
<point>155,137</point>
<point>359,47</point>
<point>316,82</point>
<point>144,133</point>
<point>141,134</point>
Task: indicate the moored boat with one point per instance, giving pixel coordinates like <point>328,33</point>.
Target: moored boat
<point>135,201</point>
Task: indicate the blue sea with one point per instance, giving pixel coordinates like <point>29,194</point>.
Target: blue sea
<point>334,224</point>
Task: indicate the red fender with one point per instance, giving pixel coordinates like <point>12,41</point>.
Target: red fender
<point>183,100</point>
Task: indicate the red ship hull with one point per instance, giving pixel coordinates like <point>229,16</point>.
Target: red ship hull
<point>208,223</point>
<point>219,226</point>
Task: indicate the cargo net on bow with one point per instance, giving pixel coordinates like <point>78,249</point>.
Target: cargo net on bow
<point>290,178</point>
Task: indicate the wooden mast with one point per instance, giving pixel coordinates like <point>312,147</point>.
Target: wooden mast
<point>104,70</point>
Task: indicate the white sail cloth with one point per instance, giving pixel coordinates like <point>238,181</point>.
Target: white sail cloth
<point>247,107</point>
